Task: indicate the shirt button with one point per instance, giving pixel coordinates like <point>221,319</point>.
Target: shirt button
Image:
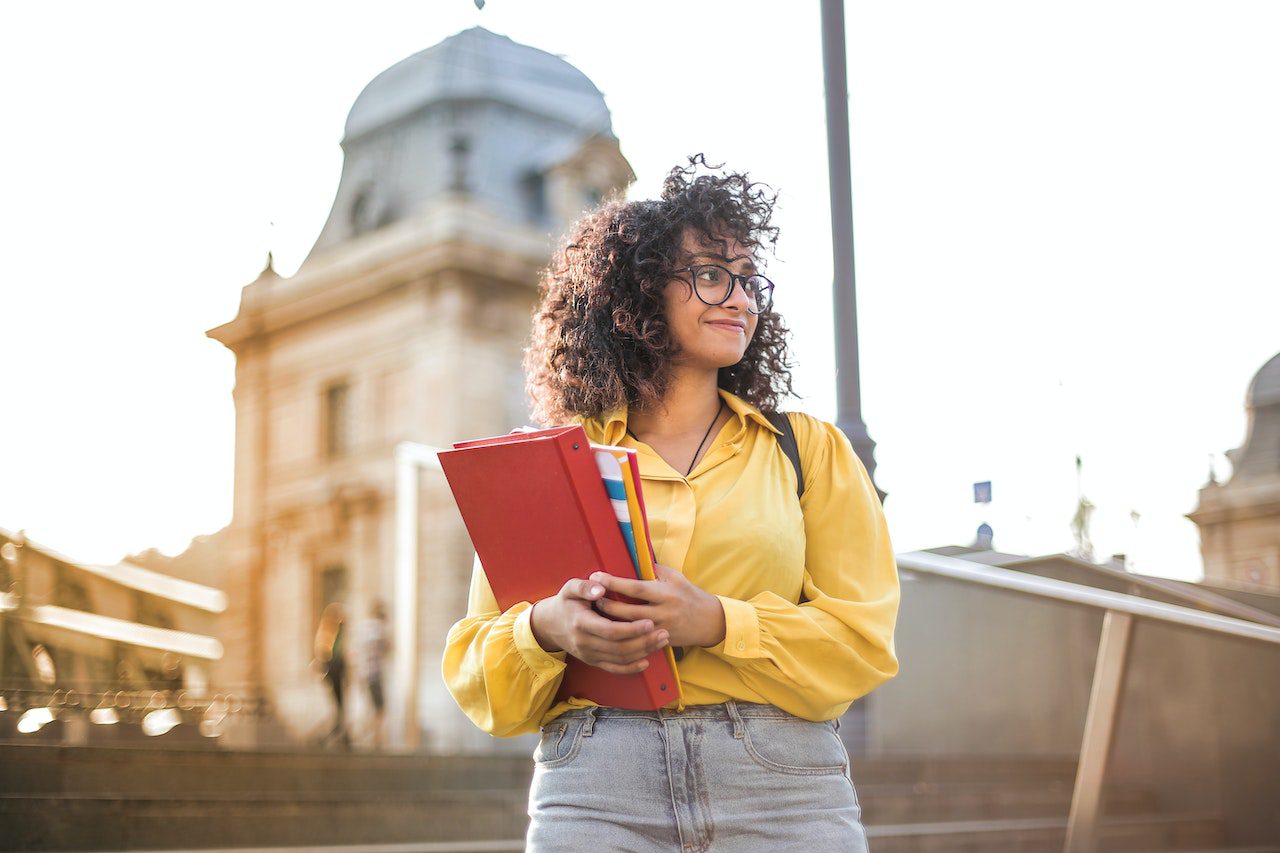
<point>741,645</point>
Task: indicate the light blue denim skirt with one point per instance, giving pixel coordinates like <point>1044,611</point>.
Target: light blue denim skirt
<point>736,778</point>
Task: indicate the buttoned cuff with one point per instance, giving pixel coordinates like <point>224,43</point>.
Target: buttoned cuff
<point>741,630</point>
<point>535,656</point>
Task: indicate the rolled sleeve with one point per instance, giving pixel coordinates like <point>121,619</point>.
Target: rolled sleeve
<point>492,664</point>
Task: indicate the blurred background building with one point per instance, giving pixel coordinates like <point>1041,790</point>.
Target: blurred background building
<point>405,324</point>
<point>1239,520</point>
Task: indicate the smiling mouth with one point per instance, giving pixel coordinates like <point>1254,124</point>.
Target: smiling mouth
<point>728,326</point>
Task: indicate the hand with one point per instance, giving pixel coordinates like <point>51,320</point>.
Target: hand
<point>567,621</point>
<point>690,615</point>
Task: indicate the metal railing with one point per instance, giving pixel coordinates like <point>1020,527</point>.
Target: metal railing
<point>1109,670</point>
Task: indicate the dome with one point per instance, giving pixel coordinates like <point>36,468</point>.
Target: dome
<point>476,119</point>
<point>1264,390</point>
<point>475,65</point>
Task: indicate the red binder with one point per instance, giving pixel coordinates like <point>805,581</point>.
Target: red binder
<point>538,514</point>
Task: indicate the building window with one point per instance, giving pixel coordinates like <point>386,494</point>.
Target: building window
<point>69,592</point>
<point>331,588</point>
<point>535,197</point>
<point>336,440</point>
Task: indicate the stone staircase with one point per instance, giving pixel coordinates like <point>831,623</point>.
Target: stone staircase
<point>67,798</point>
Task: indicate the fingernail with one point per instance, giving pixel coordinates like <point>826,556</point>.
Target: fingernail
<point>596,590</point>
<point>644,664</point>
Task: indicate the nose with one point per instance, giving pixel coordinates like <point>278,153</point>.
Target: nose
<point>738,297</point>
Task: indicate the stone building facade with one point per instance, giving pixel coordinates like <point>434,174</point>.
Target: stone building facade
<point>1239,520</point>
<point>405,323</point>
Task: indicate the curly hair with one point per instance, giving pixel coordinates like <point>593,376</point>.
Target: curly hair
<point>600,337</point>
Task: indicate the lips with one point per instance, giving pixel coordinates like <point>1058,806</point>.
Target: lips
<point>729,325</point>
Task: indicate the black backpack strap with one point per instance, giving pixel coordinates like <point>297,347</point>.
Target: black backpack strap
<point>787,441</point>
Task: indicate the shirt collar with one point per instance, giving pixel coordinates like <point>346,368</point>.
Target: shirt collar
<point>614,423</point>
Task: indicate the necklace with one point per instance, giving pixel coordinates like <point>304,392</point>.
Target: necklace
<point>719,409</point>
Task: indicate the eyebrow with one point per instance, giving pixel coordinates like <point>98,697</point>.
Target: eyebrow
<point>716,257</point>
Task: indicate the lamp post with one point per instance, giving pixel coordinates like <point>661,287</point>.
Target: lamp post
<point>844,295</point>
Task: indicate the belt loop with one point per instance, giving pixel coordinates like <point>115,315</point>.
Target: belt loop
<point>589,725</point>
<point>738,728</point>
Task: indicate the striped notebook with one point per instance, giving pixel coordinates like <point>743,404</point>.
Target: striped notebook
<point>615,485</point>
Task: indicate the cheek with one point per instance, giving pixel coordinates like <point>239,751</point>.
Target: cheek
<point>677,310</point>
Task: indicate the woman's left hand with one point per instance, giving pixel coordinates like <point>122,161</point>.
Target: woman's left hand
<point>689,614</point>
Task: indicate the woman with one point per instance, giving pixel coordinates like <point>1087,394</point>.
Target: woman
<point>655,331</point>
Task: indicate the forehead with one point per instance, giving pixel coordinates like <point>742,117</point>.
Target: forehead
<point>723,247</point>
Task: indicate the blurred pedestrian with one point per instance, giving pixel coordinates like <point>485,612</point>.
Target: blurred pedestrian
<point>330,655</point>
<point>373,644</point>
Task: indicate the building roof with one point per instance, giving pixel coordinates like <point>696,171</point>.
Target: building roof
<point>1264,390</point>
<point>136,577</point>
<point>476,64</point>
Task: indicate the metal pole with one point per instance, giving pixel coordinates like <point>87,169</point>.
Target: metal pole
<point>848,382</point>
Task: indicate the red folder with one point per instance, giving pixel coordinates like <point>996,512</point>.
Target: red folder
<point>538,515</point>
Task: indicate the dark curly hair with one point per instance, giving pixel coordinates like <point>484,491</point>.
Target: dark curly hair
<point>600,337</point>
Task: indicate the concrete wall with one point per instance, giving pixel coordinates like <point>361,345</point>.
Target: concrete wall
<point>985,672</point>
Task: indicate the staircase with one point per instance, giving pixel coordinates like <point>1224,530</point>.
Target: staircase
<point>913,805</point>
<point>65,798</point>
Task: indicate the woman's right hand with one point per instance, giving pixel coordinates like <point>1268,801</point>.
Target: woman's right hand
<point>568,622</point>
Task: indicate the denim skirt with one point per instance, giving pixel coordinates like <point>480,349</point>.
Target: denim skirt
<point>735,777</point>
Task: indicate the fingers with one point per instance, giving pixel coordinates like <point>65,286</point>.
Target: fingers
<point>589,622</point>
<point>583,590</point>
<point>624,611</point>
<point>623,668</point>
<point>665,573</point>
<point>643,590</point>
<point>625,653</point>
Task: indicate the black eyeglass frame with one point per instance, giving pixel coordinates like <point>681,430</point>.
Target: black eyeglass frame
<point>734,280</point>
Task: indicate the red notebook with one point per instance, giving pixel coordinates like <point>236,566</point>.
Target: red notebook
<point>538,514</point>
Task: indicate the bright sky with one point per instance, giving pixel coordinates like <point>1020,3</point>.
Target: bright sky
<point>1065,228</point>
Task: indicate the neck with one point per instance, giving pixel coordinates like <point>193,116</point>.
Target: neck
<point>691,401</point>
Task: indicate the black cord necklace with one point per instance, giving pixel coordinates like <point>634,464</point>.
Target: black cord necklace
<point>719,409</point>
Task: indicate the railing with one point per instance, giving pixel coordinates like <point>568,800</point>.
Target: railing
<point>156,708</point>
<point>1109,670</point>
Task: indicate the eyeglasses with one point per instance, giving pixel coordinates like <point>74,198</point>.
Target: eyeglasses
<point>713,285</point>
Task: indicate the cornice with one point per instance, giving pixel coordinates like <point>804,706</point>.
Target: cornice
<point>456,234</point>
<point>1238,501</point>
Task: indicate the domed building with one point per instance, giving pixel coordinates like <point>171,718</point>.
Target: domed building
<point>1239,520</point>
<point>406,322</point>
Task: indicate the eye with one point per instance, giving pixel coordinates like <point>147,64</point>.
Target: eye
<point>711,275</point>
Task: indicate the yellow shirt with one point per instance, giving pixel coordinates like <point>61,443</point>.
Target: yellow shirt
<point>810,598</point>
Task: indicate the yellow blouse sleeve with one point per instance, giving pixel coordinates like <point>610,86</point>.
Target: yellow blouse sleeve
<point>498,674</point>
<point>813,658</point>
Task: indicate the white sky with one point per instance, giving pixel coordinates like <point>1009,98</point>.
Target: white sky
<point>1065,227</point>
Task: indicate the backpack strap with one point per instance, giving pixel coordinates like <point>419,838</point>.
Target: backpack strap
<point>787,441</point>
